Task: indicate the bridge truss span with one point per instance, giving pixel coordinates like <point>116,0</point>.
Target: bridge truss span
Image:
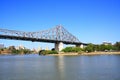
<point>56,34</point>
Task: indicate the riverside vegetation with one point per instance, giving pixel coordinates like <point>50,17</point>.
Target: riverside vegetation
<point>14,51</point>
<point>93,48</point>
<point>90,48</point>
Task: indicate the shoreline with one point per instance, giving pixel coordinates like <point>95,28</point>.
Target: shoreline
<point>77,54</point>
<point>85,54</point>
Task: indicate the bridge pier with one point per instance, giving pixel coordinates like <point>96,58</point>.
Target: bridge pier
<point>81,46</point>
<point>58,46</point>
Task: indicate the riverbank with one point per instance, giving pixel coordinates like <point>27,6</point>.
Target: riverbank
<point>76,54</point>
<point>85,54</point>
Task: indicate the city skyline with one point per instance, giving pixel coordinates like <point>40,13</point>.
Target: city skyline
<point>91,21</point>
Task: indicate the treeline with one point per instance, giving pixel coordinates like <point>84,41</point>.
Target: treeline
<point>13,50</point>
<point>92,48</point>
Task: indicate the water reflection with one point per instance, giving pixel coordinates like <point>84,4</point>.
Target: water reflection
<point>61,67</point>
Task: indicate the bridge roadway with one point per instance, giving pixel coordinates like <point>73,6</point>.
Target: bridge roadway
<point>38,40</point>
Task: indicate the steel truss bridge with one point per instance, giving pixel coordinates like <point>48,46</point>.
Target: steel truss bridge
<point>55,35</point>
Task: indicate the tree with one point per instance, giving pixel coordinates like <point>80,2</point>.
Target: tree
<point>72,49</point>
<point>90,48</point>
<point>96,47</point>
<point>45,52</point>
<point>12,48</point>
<point>109,47</point>
<point>117,46</point>
<point>67,49</point>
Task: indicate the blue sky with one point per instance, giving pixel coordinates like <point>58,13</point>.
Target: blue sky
<point>91,21</point>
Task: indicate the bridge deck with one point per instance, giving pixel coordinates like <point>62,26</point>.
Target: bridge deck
<point>37,40</point>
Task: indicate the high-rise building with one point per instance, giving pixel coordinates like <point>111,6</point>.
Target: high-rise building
<point>47,48</point>
<point>1,45</point>
<point>20,47</point>
<point>38,49</point>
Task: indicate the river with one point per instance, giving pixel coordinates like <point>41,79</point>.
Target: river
<point>35,67</point>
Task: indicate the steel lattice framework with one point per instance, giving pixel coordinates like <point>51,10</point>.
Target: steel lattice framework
<point>57,33</point>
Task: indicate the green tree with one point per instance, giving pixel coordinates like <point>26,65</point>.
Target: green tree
<point>45,52</point>
<point>109,47</point>
<point>15,51</point>
<point>72,49</point>
<point>117,46</point>
<point>96,47</point>
<point>90,48</point>
<point>1,49</point>
<point>67,49</point>
<point>106,47</point>
<point>11,48</point>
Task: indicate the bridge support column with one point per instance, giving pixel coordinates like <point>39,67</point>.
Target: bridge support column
<point>58,46</point>
<point>81,46</point>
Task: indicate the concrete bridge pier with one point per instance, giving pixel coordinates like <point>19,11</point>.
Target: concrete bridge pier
<point>81,46</point>
<point>58,46</point>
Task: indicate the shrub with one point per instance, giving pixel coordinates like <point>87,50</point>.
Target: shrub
<point>45,52</point>
<point>52,52</point>
<point>76,49</point>
<point>67,49</point>
<point>72,49</point>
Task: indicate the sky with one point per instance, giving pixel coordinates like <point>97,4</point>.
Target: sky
<point>91,21</point>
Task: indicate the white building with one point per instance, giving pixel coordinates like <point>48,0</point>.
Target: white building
<point>20,47</point>
<point>38,49</point>
<point>107,43</point>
